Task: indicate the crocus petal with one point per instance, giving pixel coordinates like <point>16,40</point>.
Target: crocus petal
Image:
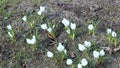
<point>102,52</point>
<point>96,54</point>
<point>31,41</point>
<point>69,61</point>
<point>39,12</point>
<point>109,31</point>
<point>79,65</point>
<point>73,26</point>
<point>60,47</point>
<point>114,34</point>
<point>24,18</point>
<point>49,54</point>
<point>90,27</point>
<point>81,47</point>
<point>49,29</point>
<point>9,27</point>
<point>44,26</point>
<point>84,62</point>
<point>65,22</point>
<point>42,9</point>
<point>68,31</point>
<point>87,43</point>
<point>9,33</point>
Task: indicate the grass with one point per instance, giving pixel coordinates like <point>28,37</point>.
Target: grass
<point>21,53</point>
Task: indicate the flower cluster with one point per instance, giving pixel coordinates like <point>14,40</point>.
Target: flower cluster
<point>48,28</point>
<point>84,46</point>
<point>113,33</point>
<point>11,31</point>
<point>42,9</point>
<point>98,54</point>
<point>69,27</point>
<point>112,36</point>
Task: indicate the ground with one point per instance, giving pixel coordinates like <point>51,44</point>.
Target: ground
<point>18,54</point>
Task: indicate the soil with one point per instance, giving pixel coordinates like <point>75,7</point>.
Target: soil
<point>18,54</point>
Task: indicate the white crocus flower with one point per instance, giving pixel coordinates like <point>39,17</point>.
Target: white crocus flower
<point>87,43</point>
<point>109,31</point>
<point>43,26</point>
<point>65,22</point>
<point>65,51</point>
<point>73,26</point>
<point>31,41</point>
<point>42,9</point>
<point>90,27</point>
<point>114,34</point>
<point>9,27</point>
<point>24,18</point>
<point>79,65</point>
<point>49,29</point>
<point>49,54</point>
<point>102,52</point>
<point>69,62</point>
<point>84,62</point>
<point>39,12</point>
<point>68,31</point>
<point>60,47</point>
<point>96,54</point>
<point>9,33</point>
<point>81,47</point>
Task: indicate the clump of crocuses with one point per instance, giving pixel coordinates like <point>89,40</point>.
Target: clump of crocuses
<point>11,32</point>
<point>98,55</point>
<point>69,28</point>
<point>112,36</point>
<point>50,29</point>
<point>32,42</point>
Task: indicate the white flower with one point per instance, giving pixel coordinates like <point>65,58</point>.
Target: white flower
<point>65,51</point>
<point>96,54</point>
<point>69,61</point>
<point>31,41</point>
<point>114,34</point>
<point>9,27</point>
<point>9,33</point>
<point>39,12</point>
<point>49,54</point>
<point>73,26</point>
<point>87,43</point>
<point>49,29</point>
<point>42,9</point>
<point>90,27</point>
<point>81,47</point>
<point>109,31</point>
<point>60,47</point>
<point>68,31</point>
<point>102,52</point>
<point>65,22</point>
<point>84,62</point>
<point>24,18</point>
<point>53,26</point>
<point>44,26</point>
<point>79,65</point>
